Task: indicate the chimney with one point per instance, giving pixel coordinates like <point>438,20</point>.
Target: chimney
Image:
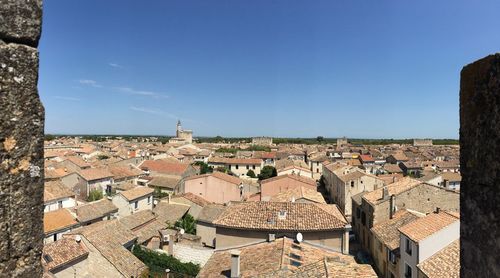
<point>235,263</point>
<point>392,206</point>
<point>438,210</point>
<point>170,244</point>
<point>78,238</point>
<point>385,193</point>
<point>293,199</point>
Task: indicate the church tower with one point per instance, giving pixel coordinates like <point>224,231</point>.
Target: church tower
<point>179,129</point>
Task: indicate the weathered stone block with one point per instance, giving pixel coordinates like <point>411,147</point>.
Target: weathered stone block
<point>21,21</point>
<point>21,162</point>
<point>480,167</point>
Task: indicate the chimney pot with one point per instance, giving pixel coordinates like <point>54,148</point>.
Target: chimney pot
<point>235,263</point>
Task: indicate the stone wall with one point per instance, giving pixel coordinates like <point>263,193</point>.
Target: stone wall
<point>21,140</point>
<point>480,167</point>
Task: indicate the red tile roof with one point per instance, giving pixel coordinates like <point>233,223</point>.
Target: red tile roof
<point>165,167</point>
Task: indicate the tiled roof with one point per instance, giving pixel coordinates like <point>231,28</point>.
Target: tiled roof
<point>54,190</point>
<point>165,182</point>
<point>297,217</point>
<point>387,232</point>
<point>120,172</point>
<point>396,188</point>
<point>366,158</point>
<point>428,225</point>
<point>137,219</point>
<point>62,252</point>
<point>162,166</point>
<point>95,174</point>
<point>170,212</point>
<point>451,176</point>
<point>445,263</point>
<point>285,258</point>
<point>352,176</point>
<point>58,220</point>
<point>200,201</point>
<point>305,180</point>
<point>78,161</point>
<point>210,212</point>
<point>218,175</point>
<point>56,173</point>
<point>392,168</point>
<point>137,192</point>
<point>299,193</point>
<point>94,210</point>
<point>109,237</point>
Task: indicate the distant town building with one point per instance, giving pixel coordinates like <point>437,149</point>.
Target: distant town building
<point>181,135</point>
<point>262,141</point>
<point>342,142</point>
<point>422,142</point>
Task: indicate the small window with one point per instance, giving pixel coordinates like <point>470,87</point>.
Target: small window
<point>408,246</point>
<point>248,167</point>
<point>392,257</point>
<point>149,200</point>
<point>352,183</point>
<point>237,166</point>
<point>59,204</point>
<point>47,258</point>
<point>136,205</point>
<point>407,271</point>
<point>253,167</point>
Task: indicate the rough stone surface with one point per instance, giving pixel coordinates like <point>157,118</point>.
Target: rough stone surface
<point>21,21</point>
<point>480,167</point>
<point>21,141</point>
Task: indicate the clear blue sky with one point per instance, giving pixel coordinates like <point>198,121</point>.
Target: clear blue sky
<point>362,69</point>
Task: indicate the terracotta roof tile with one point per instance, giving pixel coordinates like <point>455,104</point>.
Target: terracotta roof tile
<point>58,220</point>
<point>428,225</point>
<point>165,167</point>
<point>299,193</point>
<point>445,263</point>
<point>62,252</point>
<point>95,174</point>
<point>305,180</point>
<point>387,232</point>
<point>297,216</point>
<point>396,188</point>
<point>55,190</point>
<point>137,192</point>
<point>94,210</point>
<point>193,198</point>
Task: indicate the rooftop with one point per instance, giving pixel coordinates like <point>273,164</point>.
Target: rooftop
<point>55,190</point>
<point>428,225</point>
<point>137,192</point>
<point>396,188</point>
<point>285,216</point>
<point>62,252</point>
<point>299,193</point>
<point>445,263</point>
<point>58,220</point>
<point>387,232</point>
<point>94,210</point>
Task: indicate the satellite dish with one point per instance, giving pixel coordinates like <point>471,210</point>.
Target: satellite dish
<point>182,231</point>
<point>299,237</point>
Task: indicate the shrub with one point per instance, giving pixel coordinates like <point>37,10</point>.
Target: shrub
<point>251,174</point>
<point>157,263</point>
<point>94,195</point>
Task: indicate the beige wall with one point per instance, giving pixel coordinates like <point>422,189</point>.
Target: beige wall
<point>242,169</point>
<point>296,171</point>
<point>232,237</point>
<point>207,233</point>
<point>126,208</point>
<point>213,189</point>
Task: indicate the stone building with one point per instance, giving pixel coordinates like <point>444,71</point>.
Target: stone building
<point>422,142</point>
<point>262,141</point>
<point>183,136</point>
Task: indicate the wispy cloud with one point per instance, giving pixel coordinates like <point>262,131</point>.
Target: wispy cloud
<point>147,110</point>
<point>115,65</point>
<point>90,82</point>
<point>67,98</point>
<point>131,91</point>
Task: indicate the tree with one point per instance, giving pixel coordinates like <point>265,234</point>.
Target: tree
<point>267,172</point>
<point>102,156</point>
<point>94,195</point>
<point>320,139</point>
<point>222,169</point>
<point>187,223</point>
<point>204,168</point>
<point>251,173</point>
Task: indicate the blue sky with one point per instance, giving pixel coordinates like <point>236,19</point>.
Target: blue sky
<point>362,69</point>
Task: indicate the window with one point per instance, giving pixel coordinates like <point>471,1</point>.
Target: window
<point>253,167</point>
<point>363,218</point>
<point>136,205</point>
<point>229,167</point>
<point>149,200</point>
<point>55,237</point>
<point>317,170</point>
<point>352,183</point>
<point>236,167</point>
<point>59,204</point>
<point>248,167</point>
<point>407,271</point>
<point>408,246</point>
<point>392,257</point>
